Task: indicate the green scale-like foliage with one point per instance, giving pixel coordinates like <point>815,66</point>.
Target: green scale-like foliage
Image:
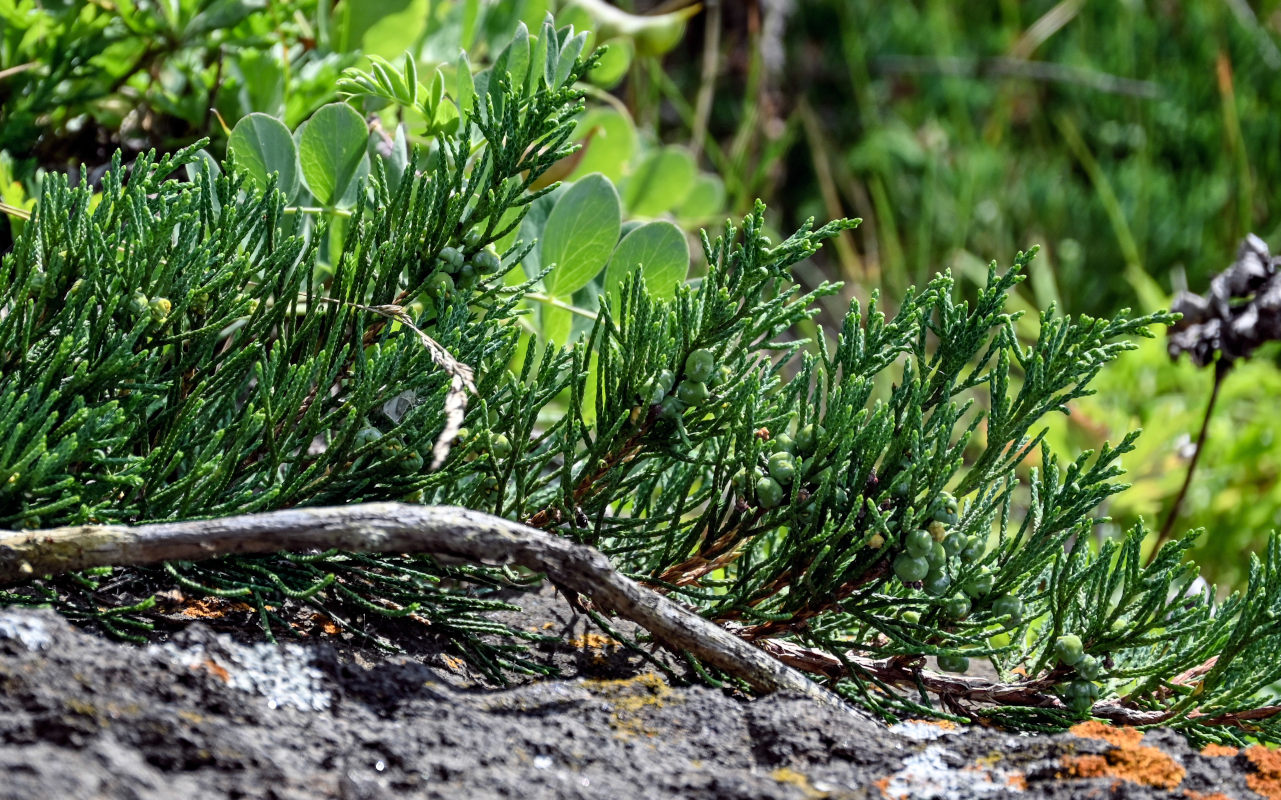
<point>177,350</point>
<point>168,350</point>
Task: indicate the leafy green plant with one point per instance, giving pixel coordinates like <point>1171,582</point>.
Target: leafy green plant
<point>174,352</point>
<point>151,71</point>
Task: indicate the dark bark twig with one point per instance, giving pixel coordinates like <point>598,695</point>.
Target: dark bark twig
<point>399,528</point>
<point>1220,372</point>
<point>898,671</point>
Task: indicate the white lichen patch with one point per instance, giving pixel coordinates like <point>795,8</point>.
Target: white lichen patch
<point>929,775</point>
<point>26,629</point>
<point>283,674</point>
<point>920,731</point>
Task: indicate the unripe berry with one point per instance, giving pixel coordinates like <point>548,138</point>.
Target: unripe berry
<point>937,556</point>
<point>721,376</point>
<point>1009,606</point>
<point>918,543</point>
<point>769,492</point>
<point>910,569</point>
<point>487,260</point>
<point>139,304</point>
<point>979,584</point>
<point>1068,649</point>
<point>902,486</point>
<point>957,606</point>
<point>500,446</point>
<point>954,543</point>
<point>974,549</point>
<point>944,509</point>
<point>699,365</point>
<point>782,467</point>
<point>1080,696</point>
<point>951,663</point>
<point>666,379</point>
<point>743,478</point>
<point>366,435</point>
<point>1088,668</point>
<point>693,393</point>
<point>440,285</point>
<point>160,308</point>
<point>471,239</point>
<point>937,584</point>
<point>410,462</point>
<point>451,258</point>
<point>783,444</point>
<point>808,437</point>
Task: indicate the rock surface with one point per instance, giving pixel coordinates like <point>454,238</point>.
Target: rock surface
<point>202,715</point>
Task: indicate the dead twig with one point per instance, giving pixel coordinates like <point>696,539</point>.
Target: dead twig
<point>399,528</point>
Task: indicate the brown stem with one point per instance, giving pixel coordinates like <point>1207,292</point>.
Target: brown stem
<point>551,515</point>
<point>906,672</point>
<point>1221,368</point>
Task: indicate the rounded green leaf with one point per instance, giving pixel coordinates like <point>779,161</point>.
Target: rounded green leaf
<point>612,142</point>
<point>580,234</point>
<point>660,249</point>
<point>706,199</point>
<point>557,322</point>
<point>381,27</point>
<point>661,182</point>
<point>262,146</point>
<point>332,154</point>
<point>613,64</point>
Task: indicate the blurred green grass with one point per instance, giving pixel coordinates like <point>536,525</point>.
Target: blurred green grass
<point>1111,133</point>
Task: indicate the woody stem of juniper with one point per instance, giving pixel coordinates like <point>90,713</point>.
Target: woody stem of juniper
<point>1220,372</point>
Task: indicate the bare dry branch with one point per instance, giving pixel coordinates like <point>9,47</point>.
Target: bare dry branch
<point>398,528</point>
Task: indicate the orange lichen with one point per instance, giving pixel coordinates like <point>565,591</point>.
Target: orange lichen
<point>945,724</point>
<point>801,781</point>
<point>629,698</point>
<point>212,608</point>
<point>1215,750</point>
<point>1018,781</point>
<point>1191,795</point>
<point>1127,760</point>
<point>598,644</point>
<point>326,625</point>
<point>1266,778</point>
<point>594,641</point>
<point>1117,737</point>
<point>214,668</point>
<point>454,664</point>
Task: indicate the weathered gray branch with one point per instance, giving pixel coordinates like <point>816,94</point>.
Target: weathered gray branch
<point>398,528</point>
